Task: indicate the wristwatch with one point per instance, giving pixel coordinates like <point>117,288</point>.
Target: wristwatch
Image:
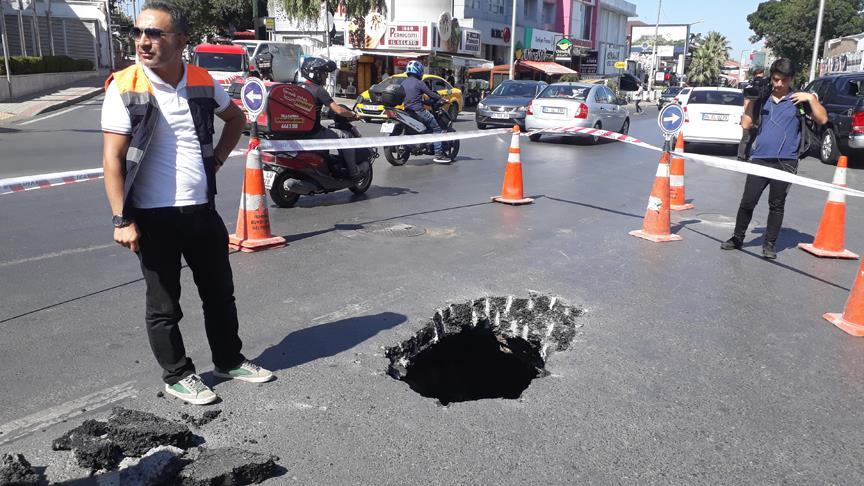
<point>119,221</point>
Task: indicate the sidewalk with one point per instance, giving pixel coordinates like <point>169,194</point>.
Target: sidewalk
<point>51,101</point>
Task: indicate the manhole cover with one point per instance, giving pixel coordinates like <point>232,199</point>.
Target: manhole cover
<point>486,348</point>
<point>394,229</point>
<point>718,219</point>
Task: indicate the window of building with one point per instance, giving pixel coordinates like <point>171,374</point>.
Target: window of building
<point>496,6</point>
<point>473,4</point>
<point>549,13</point>
<point>531,9</point>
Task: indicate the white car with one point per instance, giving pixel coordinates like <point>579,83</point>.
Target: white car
<point>681,97</point>
<point>713,115</point>
<point>577,105</point>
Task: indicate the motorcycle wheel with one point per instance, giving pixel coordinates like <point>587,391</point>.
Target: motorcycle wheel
<point>280,196</point>
<point>451,148</point>
<point>363,185</point>
<point>397,155</point>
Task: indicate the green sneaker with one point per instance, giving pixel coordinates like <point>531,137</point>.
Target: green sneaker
<point>192,390</point>
<point>245,371</point>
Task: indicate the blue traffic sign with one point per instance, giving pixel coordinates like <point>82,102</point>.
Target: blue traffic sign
<point>254,96</point>
<point>671,119</point>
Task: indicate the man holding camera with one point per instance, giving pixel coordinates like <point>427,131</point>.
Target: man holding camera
<point>747,137</point>
<point>781,139</point>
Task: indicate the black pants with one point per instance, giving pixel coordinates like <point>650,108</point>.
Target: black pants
<point>638,108</point>
<point>753,189</point>
<point>348,155</point>
<point>201,238</point>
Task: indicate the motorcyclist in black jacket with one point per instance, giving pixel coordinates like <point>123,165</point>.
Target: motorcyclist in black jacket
<point>415,88</point>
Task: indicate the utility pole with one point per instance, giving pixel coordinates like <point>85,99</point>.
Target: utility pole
<point>36,29</point>
<point>816,41</point>
<point>110,34</point>
<point>513,43</point>
<point>654,58</point>
<point>50,29</point>
<point>21,29</point>
<point>4,39</point>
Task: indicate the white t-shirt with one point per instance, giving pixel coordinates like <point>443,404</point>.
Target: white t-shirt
<point>172,172</point>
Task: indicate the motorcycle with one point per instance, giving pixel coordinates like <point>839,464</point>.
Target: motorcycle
<point>402,122</point>
<point>289,175</point>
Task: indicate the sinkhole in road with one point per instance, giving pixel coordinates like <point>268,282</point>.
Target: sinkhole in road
<point>492,347</point>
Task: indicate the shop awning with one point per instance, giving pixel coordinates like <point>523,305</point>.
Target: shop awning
<point>342,53</point>
<point>550,68</point>
<point>463,61</point>
<point>383,52</point>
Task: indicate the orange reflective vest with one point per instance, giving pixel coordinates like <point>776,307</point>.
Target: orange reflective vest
<point>137,94</point>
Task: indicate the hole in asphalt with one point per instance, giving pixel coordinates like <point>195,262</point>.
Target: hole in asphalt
<point>486,348</point>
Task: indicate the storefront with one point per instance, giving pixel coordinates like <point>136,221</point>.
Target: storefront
<point>495,38</point>
<point>457,49</point>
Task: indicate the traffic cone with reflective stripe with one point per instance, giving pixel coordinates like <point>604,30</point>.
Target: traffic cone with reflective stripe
<point>852,318</point>
<point>829,240</point>
<point>253,219</point>
<point>676,179</point>
<point>511,191</point>
<point>656,226</point>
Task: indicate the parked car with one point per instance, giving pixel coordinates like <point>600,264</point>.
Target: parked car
<point>452,96</point>
<point>667,95</point>
<point>842,95</point>
<point>286,57</point>
<point>225,62</point>
<point>577,105</point>
<point>681,97</point>
<point>713,115</point>
<point>506,105</point>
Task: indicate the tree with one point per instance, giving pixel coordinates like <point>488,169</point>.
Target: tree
<point>215,16</point>
<point>788,26</point>
<point>707,63</point>
<point>310,10</point>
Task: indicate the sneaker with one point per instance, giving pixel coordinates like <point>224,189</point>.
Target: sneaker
<point>768,251</point>
<point>245,371</point>
<point>441,159</point>
<point>191,390</point>
<point>734,243</point>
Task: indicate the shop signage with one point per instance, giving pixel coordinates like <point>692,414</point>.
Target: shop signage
<point>612,56</point>
<point>563,50</point>
<point>270,23</point>
<point>589,63</point>
<point>536,55</point>
<point>379,34</point>
<point>540,39</point>
<point>503,34</point>
<point>621,65</point>
<point>470,42</point>
<point>452,37</point>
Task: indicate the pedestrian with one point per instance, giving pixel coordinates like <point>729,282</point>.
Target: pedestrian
<point>450,79</point>
<point>781,139</point>
<point>638,98</point>
<point>160,169</point>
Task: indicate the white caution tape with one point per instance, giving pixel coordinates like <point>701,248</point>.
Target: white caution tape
<point>42,181</point>
<point>720,163</point>
<point>388,141</point>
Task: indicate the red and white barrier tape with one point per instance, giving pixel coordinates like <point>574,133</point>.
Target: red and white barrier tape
<point>28,183</point>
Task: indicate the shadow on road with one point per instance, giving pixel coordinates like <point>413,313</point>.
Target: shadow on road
<point>586,205</point>
<point>325,340</point>
<point>345,197</point>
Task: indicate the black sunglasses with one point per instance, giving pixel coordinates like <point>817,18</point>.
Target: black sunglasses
<point>154,35</point>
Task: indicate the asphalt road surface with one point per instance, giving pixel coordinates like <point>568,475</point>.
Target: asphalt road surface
<point>693,365</point>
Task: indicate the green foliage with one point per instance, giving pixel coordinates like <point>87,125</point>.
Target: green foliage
<point>788,26</point>
<point>708,59</point>
<point>207,17</point>
<point>47,64</point>
<point>569,78</point>
<point>310,10</point>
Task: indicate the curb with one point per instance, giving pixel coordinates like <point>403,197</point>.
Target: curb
<point>54,106</point>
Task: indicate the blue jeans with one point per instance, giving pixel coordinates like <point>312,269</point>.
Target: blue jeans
<point>429,120</point>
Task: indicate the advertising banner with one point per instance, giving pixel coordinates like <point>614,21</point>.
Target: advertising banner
<point>671,39</point>
<point>540,39</point>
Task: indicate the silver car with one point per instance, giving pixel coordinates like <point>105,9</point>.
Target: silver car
<point>506,105</point>
<point>577,105</point>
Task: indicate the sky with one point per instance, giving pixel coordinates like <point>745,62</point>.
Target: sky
<point>729,17</point>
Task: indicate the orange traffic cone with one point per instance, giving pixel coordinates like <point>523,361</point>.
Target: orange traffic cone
<point>830,234</point>
<point>656,226</point>
<point>253,220</point>
<point>852,318</point>
<point>676,179</point>
<point>511,191</point>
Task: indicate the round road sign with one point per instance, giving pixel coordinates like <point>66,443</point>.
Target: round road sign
<point>671,119</point>
<point>254,96</point>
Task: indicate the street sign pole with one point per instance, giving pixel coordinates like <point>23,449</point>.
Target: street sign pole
<point>5,41</point>
<point>670,120</point>
<point>254,98</point>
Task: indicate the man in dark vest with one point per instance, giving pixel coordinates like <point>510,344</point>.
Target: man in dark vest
<point>160,176</point>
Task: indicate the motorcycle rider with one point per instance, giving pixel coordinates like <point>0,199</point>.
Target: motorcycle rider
<point>316,70</point>
<point>415,88</point>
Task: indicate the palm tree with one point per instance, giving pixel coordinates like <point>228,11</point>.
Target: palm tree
<point>708,59</point>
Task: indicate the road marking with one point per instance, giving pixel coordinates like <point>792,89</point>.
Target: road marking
<point>52,115</point>
<point>362,306</point>
<point>27,425</point>
<point>56,254</point>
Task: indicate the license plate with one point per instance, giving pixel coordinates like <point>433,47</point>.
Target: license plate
<point>387,127</point>
<point>501,116</point>
<point>715,117</point>
<point>269,175</point>
<point>373,107</point>
<point>554,109</point>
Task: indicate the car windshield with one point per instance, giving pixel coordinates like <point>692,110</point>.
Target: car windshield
<point>729,98</point>
<point>250,50</point>
<point>672,91</point>
<point>566,91</point>
<point>217,61</point>
<point>515,89</point>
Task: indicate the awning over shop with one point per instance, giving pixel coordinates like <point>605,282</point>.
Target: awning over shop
<point>550,68</point>
<point>342,53</point>
<point>462,61</point>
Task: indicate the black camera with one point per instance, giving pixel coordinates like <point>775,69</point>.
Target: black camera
<point>760,88</point>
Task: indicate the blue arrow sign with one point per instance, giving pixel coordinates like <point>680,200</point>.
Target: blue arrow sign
<point>671,119</point>
<point>254,96</point>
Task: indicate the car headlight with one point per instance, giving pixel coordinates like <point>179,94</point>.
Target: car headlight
<point>481,105</point>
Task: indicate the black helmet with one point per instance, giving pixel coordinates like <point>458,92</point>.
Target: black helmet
<point>316,69</point>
